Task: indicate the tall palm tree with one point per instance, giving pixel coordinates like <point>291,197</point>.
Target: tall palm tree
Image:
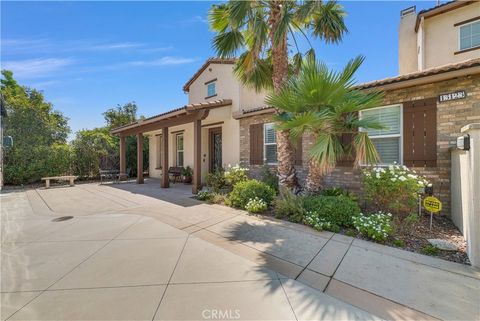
<point>325,105</point>
<point>261,31</point>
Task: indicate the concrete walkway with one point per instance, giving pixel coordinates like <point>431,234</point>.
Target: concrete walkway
<point>138,252</point>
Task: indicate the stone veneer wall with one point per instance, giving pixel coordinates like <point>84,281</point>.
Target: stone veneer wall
<point>451,117</point>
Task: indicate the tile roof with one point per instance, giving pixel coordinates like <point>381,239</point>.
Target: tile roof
<point>212,60</point>
<point>420,74</point>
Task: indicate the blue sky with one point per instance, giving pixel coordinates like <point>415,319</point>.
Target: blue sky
<point>89,56</point>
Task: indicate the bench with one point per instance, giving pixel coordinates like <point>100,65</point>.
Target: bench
<point>176,172</point>
<point>59,178</point>
<point>109,174</point>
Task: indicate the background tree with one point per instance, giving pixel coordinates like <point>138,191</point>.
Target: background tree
<point>39,132</point>
<point>324,104</point>
<point>261,31</point>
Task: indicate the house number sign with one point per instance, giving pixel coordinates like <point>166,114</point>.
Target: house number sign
<point>460,94</point>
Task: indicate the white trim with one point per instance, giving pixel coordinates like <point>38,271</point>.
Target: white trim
<point>265,144</point>
<point>177,151</point>
<point>400,135</point>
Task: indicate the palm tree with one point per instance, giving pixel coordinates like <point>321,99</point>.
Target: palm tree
<point>325,105</point>
<point>261,31</point>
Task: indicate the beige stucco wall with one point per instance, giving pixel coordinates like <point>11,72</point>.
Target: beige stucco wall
<point>442,38</point>
<point>407,44</point>
<point>227,87</point>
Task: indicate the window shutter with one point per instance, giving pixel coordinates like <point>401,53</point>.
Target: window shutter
<point>420,133</point>
<point>256,144</point>
<point>299,152</point>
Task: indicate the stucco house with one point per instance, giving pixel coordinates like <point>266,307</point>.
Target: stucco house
<point>436,93</point>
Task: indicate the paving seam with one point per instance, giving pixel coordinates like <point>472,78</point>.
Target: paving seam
<point>288,300</point>
<point>171,275</point>
<point>114,195</point>
<point>313,258</point>
<point>420,263</point>
<point>88,257</point>
<point>108,198</point>
<point>384,298</point>
<point>343,257</point>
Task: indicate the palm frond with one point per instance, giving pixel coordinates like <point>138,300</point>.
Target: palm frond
<point>365,151</point>
<point>253,71</point>
<point>227,43</point>
<point>325,151</point>
<point>328,22</point>
<point>218,17</point>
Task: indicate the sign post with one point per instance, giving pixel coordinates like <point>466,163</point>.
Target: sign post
<point>433,205</point>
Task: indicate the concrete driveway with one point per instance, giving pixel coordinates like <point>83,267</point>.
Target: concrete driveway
<point>137,252</point>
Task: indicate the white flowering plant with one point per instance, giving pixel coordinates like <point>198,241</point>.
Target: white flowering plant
<point>235,174</point>
<point>256,205</point>
<point>393,188</point>
<point>204,195</point>
<point>313,219</point>
<point>377,226</point>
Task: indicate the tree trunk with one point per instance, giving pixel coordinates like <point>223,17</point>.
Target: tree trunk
<point>314,178</point>
<point>285,150</point>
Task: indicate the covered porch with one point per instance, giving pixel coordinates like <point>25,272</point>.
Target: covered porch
<point>193,115</point>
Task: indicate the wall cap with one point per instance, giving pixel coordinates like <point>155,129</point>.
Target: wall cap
<point>470,127</point>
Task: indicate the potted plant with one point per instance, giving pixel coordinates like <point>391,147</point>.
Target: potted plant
<point>187,173</point>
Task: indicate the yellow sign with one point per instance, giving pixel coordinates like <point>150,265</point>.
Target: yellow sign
<point>432,204</point>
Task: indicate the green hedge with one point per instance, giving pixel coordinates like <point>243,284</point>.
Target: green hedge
<point>243,192</point>
<point>337,210</point>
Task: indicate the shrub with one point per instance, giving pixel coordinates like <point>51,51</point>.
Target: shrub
<point>256,205</point>
<point>289,206</point>
<point>337,191</point>
<point>235,175</point>
<point>338,210</point>
<point>216,198</point>
<point>394,188</point>
<point>376,226</point>
<point>244,191</point>
<point>269,177</point>
<point>399,243</point>
<point>315,220</point>
<point>216,181</point>
<point>429,249</point>
<point>204,195</point>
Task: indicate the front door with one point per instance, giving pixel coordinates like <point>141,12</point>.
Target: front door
<point>215,146</point>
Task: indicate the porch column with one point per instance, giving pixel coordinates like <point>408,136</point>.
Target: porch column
<point>197,156</point>
<point>123,157</point>
<point>164,146</point>
<point>139,158</point>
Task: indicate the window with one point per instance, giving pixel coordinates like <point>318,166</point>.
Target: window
<point>179,148</point>
<point>159,152</point>
<point>470,35</point>
<point>211,89</point>
<point>388,140</point>
<point>269,144</point>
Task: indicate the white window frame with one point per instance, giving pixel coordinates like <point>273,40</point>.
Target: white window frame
<point>460,36</point>
<point>265,144</point>
<point>159,151</point>
<point>177,151</point>
<point>400,135</point>
<point>214,83</point>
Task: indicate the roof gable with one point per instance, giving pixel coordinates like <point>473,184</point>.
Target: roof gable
<point>207,63</point>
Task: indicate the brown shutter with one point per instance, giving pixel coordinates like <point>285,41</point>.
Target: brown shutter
<point>256,144</point>
<point>299,152</point>
<point>420,133</point>
<point>346,141</point>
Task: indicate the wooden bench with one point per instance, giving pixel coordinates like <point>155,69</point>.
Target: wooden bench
<point>59,178</point>
<point>109,174</point>
<point>176,172</point>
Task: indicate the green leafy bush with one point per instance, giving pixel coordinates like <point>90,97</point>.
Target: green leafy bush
<point>244,191</point>
<point>235,175</point>
<point>315,220</point>
<point>289,206</point>
<point>338,210</point>
<point>376,226</point>
<point>256,205</point>
<point>394,188</point>
<point>204,195</point>
<point>216,181</point>
<point>269,177</point>
<point>337,191</point>
<point>431,250</point>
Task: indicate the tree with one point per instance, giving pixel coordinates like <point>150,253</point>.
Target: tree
<point>39,133</point>
<point>325,105</point>
<point>262,30</point>
<point>121,115</point>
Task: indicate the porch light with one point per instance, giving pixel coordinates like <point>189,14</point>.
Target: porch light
<point>463,142</point>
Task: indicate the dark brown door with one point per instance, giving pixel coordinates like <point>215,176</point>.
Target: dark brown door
<point>215,147</point>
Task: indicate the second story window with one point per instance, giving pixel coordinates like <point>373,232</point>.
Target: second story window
<point>269,144</point>
<point>470,35</point>
<point>211,89</point>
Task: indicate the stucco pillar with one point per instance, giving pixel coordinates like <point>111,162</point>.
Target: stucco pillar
<point>197,156</point>
<point>123,157</point>
<point>139,158</point>
<point>472,224</point>
<point>164,146</point>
